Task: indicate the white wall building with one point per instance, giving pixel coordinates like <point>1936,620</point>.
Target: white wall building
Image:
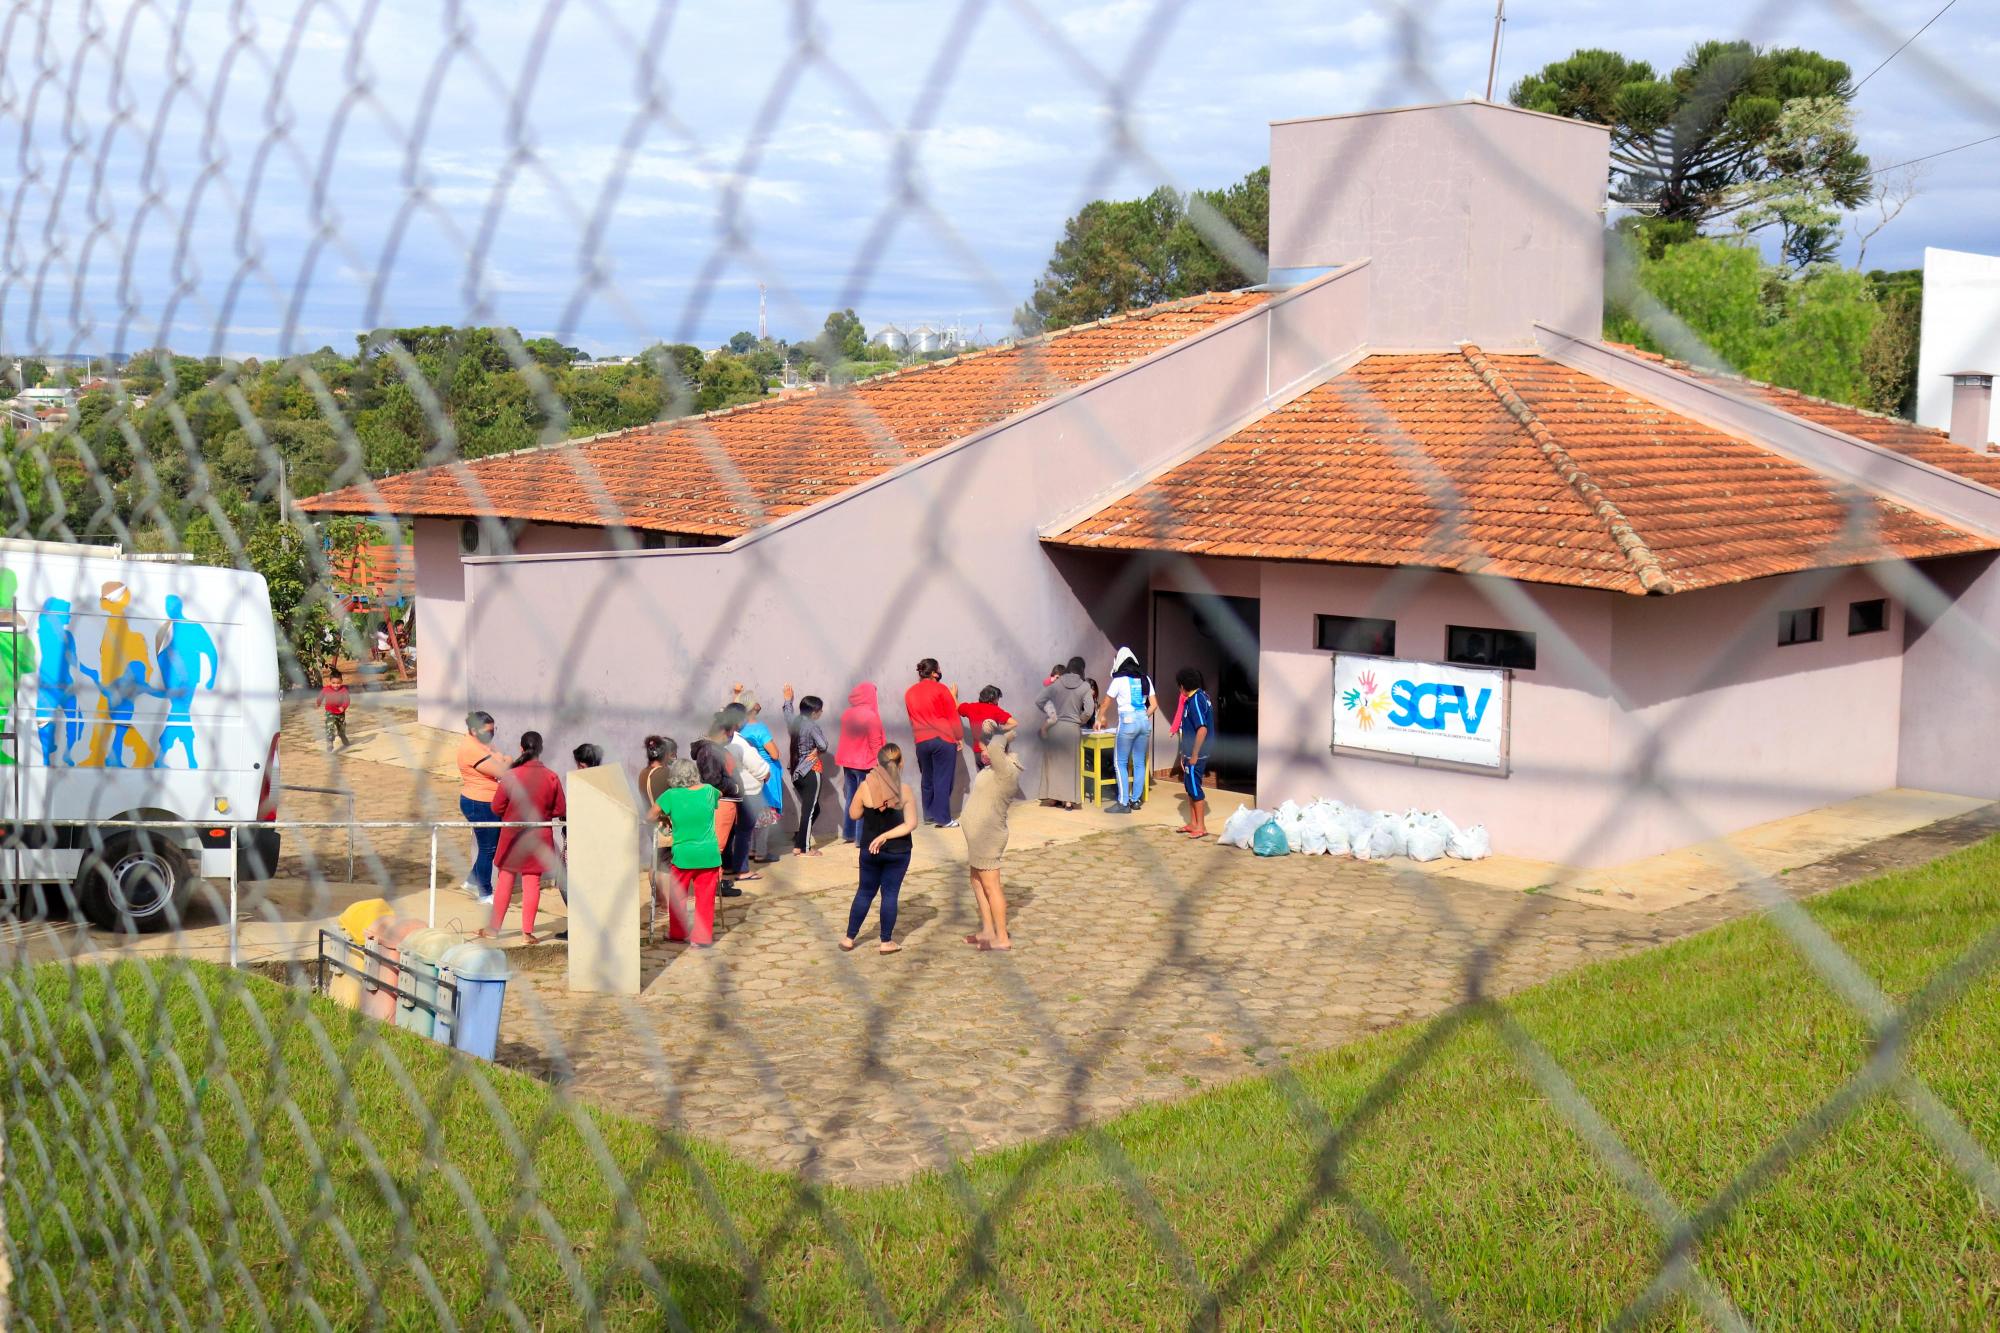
<point>1961,330</point>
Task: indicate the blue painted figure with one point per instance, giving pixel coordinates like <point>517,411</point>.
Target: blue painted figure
<point>181,647</point>
<point>118,698</point>
<point>55,685</point>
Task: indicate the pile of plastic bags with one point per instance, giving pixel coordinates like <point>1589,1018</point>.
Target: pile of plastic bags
<point>1328,828</point>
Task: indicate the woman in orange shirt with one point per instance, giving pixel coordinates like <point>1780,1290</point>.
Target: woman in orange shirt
<point>479,770</point>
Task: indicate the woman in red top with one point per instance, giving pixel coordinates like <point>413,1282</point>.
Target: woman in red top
<point>530,793</point>
<point>988,709</point>
<point>933,708</point>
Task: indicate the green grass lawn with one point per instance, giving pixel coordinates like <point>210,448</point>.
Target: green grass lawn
<point>183,1145</point>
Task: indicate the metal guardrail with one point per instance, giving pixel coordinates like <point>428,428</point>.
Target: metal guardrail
<point>234,909</point>
<point>348,795</point>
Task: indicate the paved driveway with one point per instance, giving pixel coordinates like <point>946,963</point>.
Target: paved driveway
<point>1146,966</point>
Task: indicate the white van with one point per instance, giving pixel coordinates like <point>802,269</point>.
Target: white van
<point>134,688</point>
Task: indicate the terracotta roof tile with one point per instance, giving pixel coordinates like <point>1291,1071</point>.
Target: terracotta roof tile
<point>725,473</point>
<point>1510,465</point>
<point>1924,443</point>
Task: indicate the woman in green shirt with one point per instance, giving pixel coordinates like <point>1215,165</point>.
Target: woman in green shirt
<point>687,807</point>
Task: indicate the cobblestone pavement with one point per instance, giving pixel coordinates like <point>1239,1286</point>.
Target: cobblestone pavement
<point>1146,966</point>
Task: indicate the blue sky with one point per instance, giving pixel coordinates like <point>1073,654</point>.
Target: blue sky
<point>279,174</point>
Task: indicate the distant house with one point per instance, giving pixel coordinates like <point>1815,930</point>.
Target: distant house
<point>1694,603</point>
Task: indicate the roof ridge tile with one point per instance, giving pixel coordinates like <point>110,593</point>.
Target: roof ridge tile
<point>1645,565</point>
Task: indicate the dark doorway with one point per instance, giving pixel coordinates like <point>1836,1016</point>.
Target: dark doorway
<point>1218,636</point>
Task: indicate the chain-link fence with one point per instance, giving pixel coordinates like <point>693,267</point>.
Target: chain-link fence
<point>1389,523</point>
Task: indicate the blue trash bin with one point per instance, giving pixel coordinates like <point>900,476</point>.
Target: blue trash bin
<point>480,973</point>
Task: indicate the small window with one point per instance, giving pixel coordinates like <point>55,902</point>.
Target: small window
<point>1870,617</point>
<point>652,541</point>
<point>468,536</point>
<point>1355,634</point>
<point>1474,646</point>
<point>1800,626</point>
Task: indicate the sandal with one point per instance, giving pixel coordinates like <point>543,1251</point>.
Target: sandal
<point>846,945</point>
<point>531,937</point>
<point>745,879</point>
<point>988,946</point>
<point>890,946</point>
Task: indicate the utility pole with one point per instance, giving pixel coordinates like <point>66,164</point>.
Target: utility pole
<point>763,330</point>
<point>1493,60</point>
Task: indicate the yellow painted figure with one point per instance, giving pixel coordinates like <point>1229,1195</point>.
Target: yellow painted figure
<point>122,647</point>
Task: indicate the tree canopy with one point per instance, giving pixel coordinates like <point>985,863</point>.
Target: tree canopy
<point>1118,255</point>
<point>1763,137</point>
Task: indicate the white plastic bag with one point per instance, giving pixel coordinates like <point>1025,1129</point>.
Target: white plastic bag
<point>1472,844</point>
<point>1388,835</point>
<point>1424,843</point>
<point>1336,841</point>
<point>1312,839</point>
<point>1241,825</point>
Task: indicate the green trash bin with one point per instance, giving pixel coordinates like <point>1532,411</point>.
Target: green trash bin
<point>418,964</point>
<point>480,972</point>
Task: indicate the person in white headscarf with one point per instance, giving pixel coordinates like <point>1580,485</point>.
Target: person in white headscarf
<point>1130,697</point>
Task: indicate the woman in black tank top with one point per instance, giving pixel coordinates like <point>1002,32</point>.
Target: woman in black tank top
<point>887,811</point>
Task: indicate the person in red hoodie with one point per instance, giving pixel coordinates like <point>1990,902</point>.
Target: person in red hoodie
<point>933,708</point>
<point>861,740</point>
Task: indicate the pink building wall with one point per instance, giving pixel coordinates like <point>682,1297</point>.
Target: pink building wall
<point>940,557</point>
<point>442,694</point>
<point>1480,219</point>
<point>1746,731</point>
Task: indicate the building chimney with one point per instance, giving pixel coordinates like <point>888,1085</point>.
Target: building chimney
<point>1971,408</point>
<point>1478,220</point>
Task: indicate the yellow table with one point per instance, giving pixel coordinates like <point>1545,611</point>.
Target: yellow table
<point>1097,761</point>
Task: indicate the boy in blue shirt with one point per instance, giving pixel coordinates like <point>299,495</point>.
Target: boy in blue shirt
<point>1195,721</point>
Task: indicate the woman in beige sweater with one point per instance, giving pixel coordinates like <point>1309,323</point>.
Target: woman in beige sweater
<point>984,819</point>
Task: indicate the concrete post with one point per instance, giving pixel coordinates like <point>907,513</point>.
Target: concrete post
<point>606,830</point>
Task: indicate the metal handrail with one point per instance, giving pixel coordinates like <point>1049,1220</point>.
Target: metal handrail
<point>334,791</point>
<point>188,825</point>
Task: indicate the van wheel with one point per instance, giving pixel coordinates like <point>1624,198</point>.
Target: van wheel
<point>135,882</point>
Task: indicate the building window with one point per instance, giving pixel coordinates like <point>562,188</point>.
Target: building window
<point>1869,617</point>
<point>1800,626</point>
<point>1475,646</point>
<point>1355,634</point>
<point>652,541</point>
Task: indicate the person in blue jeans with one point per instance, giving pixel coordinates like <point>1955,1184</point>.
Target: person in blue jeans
<point>886,810</point>
<point>1195,721</point>
<point>480,768</point>
<point>1130,698</point>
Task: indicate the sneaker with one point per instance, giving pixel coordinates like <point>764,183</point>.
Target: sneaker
<point>1116,809</point>
<point>949,823</point>
<point>484,900</point>
<point>729,891</point>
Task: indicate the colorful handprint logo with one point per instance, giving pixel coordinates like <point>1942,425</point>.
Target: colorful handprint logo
<point>1365,700</point>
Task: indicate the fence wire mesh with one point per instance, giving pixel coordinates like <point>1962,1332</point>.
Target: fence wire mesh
<point>187,1142</point>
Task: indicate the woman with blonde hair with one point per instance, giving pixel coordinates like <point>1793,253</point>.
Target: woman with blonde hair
<point>885,812</point>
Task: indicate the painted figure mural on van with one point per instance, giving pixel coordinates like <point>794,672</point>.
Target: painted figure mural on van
<point>182,646</point>
<point>55,683</point>
<point>17,656</point>
<point>118,686</point>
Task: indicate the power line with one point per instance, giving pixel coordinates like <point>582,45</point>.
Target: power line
<point>1928,156</point>
<point>1906,41</point>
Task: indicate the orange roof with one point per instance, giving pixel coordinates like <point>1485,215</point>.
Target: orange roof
<point>724,473</point>
<point>1926,444</point>
<point>1509,465</point>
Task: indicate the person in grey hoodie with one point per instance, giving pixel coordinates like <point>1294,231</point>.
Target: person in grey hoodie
<point>1066,707</point>
<point>809,750</point>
